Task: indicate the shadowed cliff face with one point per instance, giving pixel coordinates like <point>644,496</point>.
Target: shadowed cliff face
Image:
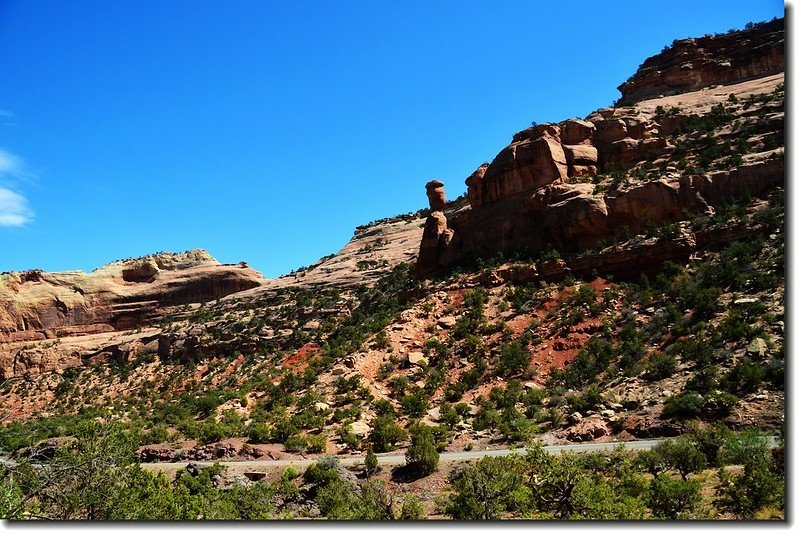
<point>573,185</point>
<point>691,64</point>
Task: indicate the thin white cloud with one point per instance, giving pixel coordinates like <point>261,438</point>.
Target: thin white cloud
<point>10,165</point>
<point>14,208</point>
<point>7,114</point>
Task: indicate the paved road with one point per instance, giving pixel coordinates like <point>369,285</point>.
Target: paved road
<point>394,458</point>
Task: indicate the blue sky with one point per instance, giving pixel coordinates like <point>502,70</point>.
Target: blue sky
<point>266,131</point>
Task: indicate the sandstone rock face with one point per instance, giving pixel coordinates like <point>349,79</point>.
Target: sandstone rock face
<point>571,217</point>
<point>577,132</point>
<point>475,185</point>
<point>534,159</point>
<point>694,63</point>
<point>655,201</point>
<point>536,194</point>
<point>125,294</point>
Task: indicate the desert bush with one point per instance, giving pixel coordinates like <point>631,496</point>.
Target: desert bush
<point>421,455</point>
<point>385,433</point>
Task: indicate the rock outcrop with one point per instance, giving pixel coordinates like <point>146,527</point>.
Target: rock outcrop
<point>36,305</point>
<point>435,236</point>
<point>691,64</point>
<point>545,189</point>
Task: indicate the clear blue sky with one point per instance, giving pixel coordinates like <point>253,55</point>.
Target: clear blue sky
<point>266,131</point>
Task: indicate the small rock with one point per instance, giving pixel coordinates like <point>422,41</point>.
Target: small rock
<point>320,406</point>
<point>607,413</point>
<point>745,300</point>
<point>576,417</point>
<point>447,322</point>
<point>417,358</point>
<point>312,325</point>
<point>360,428</point>
<point>757,347</point>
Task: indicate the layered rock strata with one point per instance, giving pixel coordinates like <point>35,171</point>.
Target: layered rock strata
<point>690,64</point>
<point>35,305</point>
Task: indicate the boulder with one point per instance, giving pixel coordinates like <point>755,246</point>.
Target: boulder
<point>587,430</point>
<point>610,130</point>
<point>654,201</point>
<point>580,154</point>
<point>446,322</point>
<point>577,132</point>
<point>435,239</point>
<point>620,153</point>
<point>533,160</point>
<point>417,358</point>
<point>360,428</point>
<point>641,127</point>
<point>758,347</point>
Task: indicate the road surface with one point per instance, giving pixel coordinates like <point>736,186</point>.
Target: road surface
<point>399,458</point>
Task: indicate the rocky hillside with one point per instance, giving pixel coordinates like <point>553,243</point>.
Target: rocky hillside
<point>692,64</point>
<point>36,306</point>
<point>609,277</point>
<point>580,184</point>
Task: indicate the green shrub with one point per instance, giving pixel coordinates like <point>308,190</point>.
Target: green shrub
<point>587,400</point>
<point>385,433</point>
<point>673,498</point>
<point>682,455</point>
<point>415,403</point>
<point>370,461</point>
<point>585,295</point>
<point>744,377</point>
<point>316,443</point>
<point>421,455</point>
<point>703,381</point>
<point>685,405</point>
<point>514,358</point>
<point>258,433</point>
<point>295,444</point>
<point>212,431</point>
<point>412,508</point>
<point>660,366</point>
<point>719,404</point>
<point>515,426</point>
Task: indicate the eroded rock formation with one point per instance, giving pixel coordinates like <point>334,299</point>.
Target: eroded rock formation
<point>436,236</point>
<point>543,191</point>
<point>690,64</point>
<point>35,305</point>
